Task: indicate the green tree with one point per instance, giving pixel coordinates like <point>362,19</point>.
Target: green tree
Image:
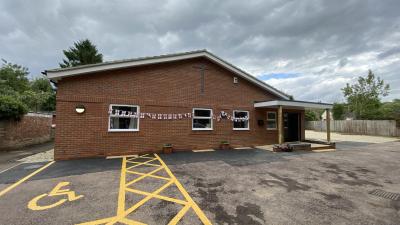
<point>391,110</point>
<point>13,78</point>
<point>338,111</point>
<point>363,97</point>
<point>18,94</point>
<point>10,107</point>
<point>82,53</point>
<point>43,96</point>
<point>310,116</point>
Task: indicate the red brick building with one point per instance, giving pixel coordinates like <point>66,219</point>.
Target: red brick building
<point>192,100</point>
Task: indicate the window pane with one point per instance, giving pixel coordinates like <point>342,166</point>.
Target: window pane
<point>202,123</point>
<point>240,114</point>
<point>123,123</point>
<point>241,124</point>
<point>271,124</point>
<point>271,115</point>
<point>124,108</point>
<point>202,112</point>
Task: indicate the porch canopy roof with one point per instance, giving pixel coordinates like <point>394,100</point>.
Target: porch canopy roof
<point>292,104</point>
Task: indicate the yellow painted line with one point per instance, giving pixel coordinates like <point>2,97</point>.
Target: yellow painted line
<point>193,204</point>
<point>142,163</point>
<point>131,222</point>
<point>25,178</point>
<point>179,216</point>
<point>120,156</point>
<point>149,175</point>
<point>157,196</point>
<point>147,164</point>
<point>144,176</point>
<point>324,150</point>
<point>137,205</point>
<point>204,150</point>
<point>121,194</point>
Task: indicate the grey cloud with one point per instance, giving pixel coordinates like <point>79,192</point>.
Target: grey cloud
<point>390,52</point>
<point>343,62</point>
<point>319,39</point>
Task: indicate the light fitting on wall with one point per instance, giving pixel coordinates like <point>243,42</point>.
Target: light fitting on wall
<point>80,109</point>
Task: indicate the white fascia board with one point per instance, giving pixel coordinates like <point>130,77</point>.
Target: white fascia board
<point>312,105</point>
<point>246,76</point>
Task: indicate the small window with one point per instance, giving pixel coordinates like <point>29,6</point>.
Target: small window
<point>271,121</point>
<point>202,119</point>
<point>240,120</point>
<point>124,118</point>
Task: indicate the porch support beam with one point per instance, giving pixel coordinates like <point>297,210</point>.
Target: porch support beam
<point>328,125</point>
<point>280,125</point>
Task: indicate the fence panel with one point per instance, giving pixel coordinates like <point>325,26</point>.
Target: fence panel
<point>366,127</point>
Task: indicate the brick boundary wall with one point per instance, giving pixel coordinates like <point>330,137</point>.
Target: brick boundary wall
<point>31,129</point>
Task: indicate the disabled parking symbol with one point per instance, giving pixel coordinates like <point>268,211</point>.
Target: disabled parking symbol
<point>57,191</point>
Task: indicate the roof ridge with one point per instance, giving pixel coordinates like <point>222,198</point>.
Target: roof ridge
<point>127,60</point>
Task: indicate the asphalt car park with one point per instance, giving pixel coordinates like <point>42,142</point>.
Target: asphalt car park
<point>357,184</point>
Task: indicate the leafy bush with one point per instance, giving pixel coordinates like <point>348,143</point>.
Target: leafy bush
<point>11,107</point>
<point>310,116</point>
<point>338,111</point>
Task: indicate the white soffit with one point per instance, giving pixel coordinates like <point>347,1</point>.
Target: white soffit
<point>301,104</point>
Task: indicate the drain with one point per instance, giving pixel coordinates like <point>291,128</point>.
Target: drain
<point>385,194</point>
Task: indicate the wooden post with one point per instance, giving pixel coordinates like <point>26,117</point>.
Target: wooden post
<point>328,125</point>
<point>280,125</point>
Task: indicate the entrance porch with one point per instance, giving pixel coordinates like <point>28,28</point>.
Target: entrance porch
<point>287,117</point>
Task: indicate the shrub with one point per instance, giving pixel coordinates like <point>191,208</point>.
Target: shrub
<point>11,107</point>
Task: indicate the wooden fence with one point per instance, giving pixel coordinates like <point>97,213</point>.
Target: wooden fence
<point>366,127</point>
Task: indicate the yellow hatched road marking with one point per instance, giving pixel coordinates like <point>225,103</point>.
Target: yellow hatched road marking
<point>25,178</point>
<point>144,176</point>
<point>142,163</point>
<point>157,196</point>
<point>180,214</point>
<point>149,175</point>
<point>195,207</point>
<point>123,211</point>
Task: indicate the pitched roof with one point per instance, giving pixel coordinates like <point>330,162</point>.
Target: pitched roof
<point>57,74</point>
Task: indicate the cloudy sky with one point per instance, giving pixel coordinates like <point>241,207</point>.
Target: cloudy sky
<point>309,49</point>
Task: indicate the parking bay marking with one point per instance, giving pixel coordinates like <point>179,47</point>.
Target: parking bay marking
<point>123,212</point>
<point>57,191</point>
<point>25,178</point>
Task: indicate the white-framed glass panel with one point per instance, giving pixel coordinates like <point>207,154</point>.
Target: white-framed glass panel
<point>123,118</point>
<point>240,120</point>
<point>202,119</point>
<point>271,121</point>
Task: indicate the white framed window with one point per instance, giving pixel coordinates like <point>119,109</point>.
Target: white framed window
<point>202,119</point>
<point>240,120</point>
<point>271,121</point>
<point>123,118</point>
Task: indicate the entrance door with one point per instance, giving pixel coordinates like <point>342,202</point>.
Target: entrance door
<point>291,126</point>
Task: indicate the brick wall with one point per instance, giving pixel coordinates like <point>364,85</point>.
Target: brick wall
<point>31,129</point>
<point>162,88</point>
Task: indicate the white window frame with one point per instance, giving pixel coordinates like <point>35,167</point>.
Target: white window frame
<point>276,121</point>
<point>202,117</point>
<point>248,120</point>
<point>123,130</point>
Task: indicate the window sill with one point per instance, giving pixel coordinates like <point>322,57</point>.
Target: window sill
<point>272,129</point>
<point>199,129</point>
<point>241,129</point>
<point>123,130</point>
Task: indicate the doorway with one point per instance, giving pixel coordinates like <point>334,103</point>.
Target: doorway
<point>291,126</point>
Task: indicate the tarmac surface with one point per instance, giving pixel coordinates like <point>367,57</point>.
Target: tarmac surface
<point>249,186</point>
